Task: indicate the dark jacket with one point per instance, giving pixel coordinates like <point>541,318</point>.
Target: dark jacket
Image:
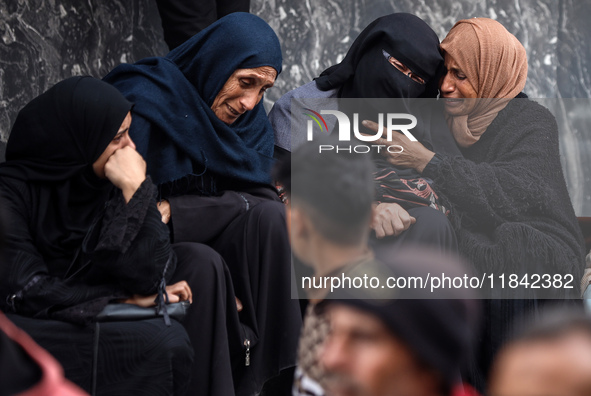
<point>512,211</point>
<point>126,251</point>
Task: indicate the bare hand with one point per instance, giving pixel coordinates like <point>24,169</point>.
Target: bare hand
<point>414,155</point>
<point>391,219</point>
<point>164,208</point>
<point>126,169</point>
<point>180,291</point>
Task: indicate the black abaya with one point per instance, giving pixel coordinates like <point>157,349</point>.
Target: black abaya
<point>253,243</point>
<point>212,320</point>
<point>137,357</point>
<point>57,275</point>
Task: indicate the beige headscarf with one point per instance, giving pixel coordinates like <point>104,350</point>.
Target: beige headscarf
<point>494,62</point>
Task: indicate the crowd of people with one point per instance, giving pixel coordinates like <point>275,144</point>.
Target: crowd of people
<point>166,187</point>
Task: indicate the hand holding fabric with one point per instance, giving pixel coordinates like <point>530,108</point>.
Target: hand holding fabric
<point>391,219</point>
<point>126,169</point>
<point>413,154</point>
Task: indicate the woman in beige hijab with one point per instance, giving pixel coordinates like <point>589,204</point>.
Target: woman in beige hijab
<point>512,212</point>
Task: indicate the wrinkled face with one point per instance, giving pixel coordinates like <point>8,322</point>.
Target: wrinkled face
<point>242,92</point>
<point>122,139</point>
<point>455,87</point>
<point>363,358</point>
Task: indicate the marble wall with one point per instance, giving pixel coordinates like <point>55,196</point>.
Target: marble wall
<point>44,41</point>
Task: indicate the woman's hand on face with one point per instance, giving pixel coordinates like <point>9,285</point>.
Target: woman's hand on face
<point>391,219</point>
<point>180,291</point>
<point>164,208</point>
<point>126,169</point>
<point>413,154</point>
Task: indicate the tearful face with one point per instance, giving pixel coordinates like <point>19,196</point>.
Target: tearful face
<point>242,92</point>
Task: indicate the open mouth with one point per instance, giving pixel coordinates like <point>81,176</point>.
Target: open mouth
<point>232,111</point>
<point>453,101</point>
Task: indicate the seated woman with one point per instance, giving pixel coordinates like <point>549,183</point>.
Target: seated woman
<point>83,230</point>
<point>374,68</point>
<point>208,144</point>
<point>396,57</point>
<point>512,212</point>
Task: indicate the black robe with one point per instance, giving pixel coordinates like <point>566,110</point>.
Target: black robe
<point>512,215</point>
<point>247,228</point>
<point>127,252</point>
<point>54,288</point>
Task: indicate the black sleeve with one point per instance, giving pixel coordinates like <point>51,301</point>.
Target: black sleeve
<point>202,219</point>
<point>520,179</point>
<point>26,284</point>
<point>130,242</point>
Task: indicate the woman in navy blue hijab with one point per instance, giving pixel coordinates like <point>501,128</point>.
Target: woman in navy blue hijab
<point>177,130</point>
<point>200,125</point>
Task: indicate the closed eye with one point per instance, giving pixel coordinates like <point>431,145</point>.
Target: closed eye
<point>118,137</point>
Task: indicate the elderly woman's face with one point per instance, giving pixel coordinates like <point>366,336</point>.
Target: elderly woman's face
<point>242,92</point>
<point>455,87</point>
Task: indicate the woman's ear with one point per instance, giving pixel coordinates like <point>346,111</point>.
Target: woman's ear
<point>299,224</point>
<point>301,233</point>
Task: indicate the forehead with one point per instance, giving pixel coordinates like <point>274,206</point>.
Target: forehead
<point>450,62</point>
<point>126,122</point>
<point>532,369</point>
<point>349,320</point>
<point>263,73</point>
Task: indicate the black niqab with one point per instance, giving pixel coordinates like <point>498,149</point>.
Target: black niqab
<point>54,142</point>
<point>366,73</point>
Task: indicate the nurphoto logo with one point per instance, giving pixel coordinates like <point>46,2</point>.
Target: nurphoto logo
<point>344,130</point>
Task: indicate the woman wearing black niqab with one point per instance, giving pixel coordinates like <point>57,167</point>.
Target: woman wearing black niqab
<point>366,73</point>
<point>395,57</point>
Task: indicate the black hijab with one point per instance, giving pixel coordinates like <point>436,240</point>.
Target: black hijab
<point>54,142</point>
<point>366,73</point>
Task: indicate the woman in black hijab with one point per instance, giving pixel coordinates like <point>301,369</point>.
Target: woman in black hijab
<point>395,57</point>
<point>363,73</point>
<point>84,230</point>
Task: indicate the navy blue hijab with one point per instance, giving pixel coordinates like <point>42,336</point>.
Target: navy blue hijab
<point>173,125</point>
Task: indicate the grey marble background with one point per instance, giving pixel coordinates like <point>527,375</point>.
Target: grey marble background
<point>44,41</point>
